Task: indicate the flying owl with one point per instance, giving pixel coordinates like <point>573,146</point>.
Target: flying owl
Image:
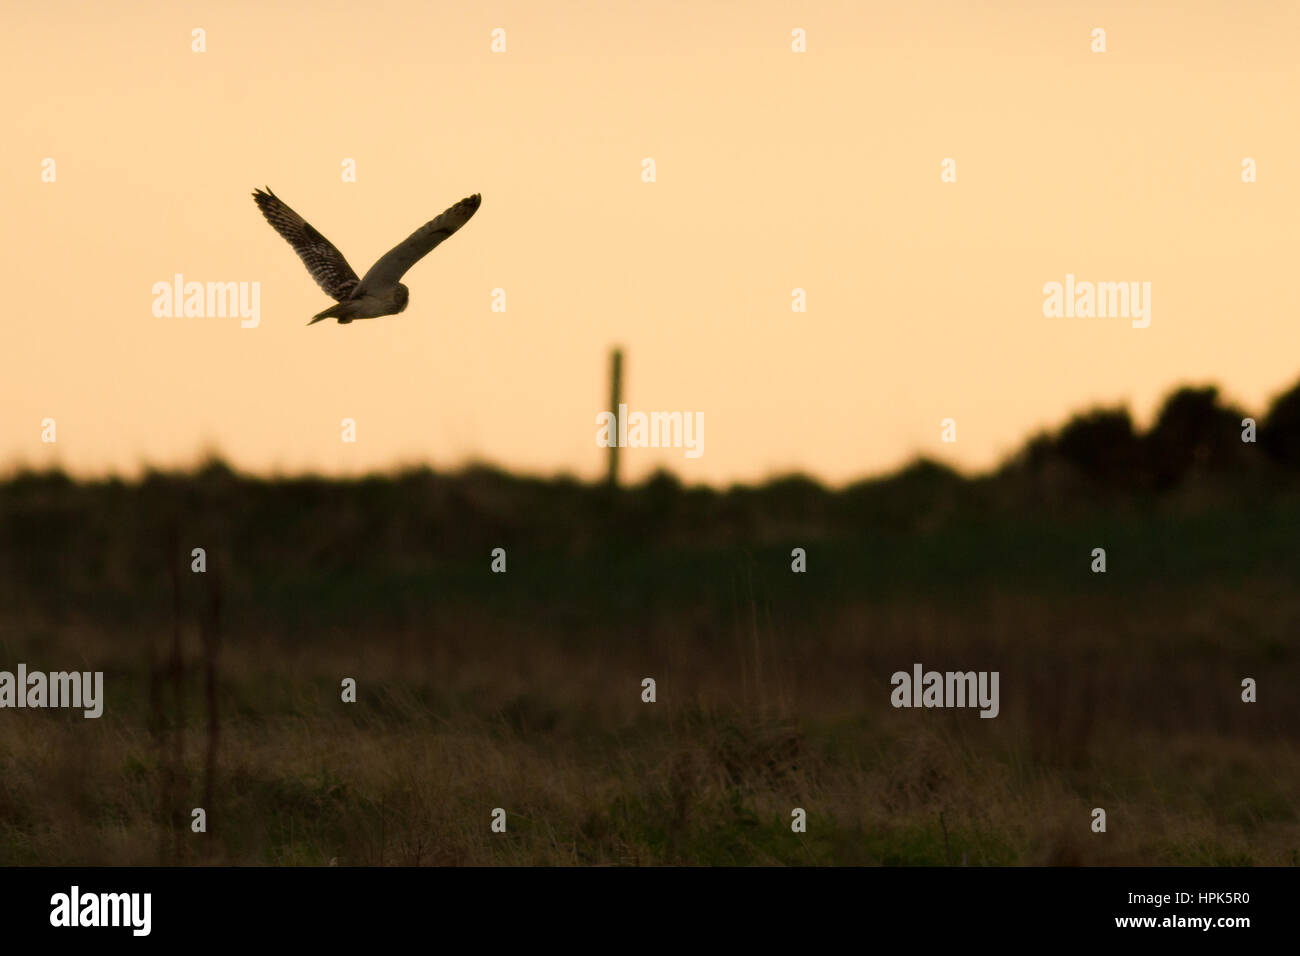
<point>376,293</point>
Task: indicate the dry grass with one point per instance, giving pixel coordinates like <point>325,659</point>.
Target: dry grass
<point>1132,707</point>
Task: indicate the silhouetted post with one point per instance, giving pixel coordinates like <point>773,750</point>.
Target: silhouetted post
<point>176,669</point>
<point>210,629</point>
<point>615,399</point>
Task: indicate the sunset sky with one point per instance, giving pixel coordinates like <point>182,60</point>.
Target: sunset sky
<point>775,170</point>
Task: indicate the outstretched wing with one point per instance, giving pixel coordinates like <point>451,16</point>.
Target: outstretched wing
<point>394,263</point>
<point>325,263</point>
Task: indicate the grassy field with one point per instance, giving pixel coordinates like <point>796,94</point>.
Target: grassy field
<point>522,690</point>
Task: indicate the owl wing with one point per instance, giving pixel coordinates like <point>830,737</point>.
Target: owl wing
<point>385,273</point>
<point>325,263</point>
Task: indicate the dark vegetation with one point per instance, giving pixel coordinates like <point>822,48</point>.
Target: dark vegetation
<point>522,690</point>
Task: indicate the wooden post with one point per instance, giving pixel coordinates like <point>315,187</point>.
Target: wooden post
<point>615,399</point>
<point>176,670</point>
<point>210,629</point>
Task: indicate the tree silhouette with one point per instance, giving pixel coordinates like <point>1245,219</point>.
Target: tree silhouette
<point>1102,445</point>
<point>1280,432</point>
<point>1192,431</point>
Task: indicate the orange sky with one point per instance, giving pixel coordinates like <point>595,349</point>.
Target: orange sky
<point>775,170</point>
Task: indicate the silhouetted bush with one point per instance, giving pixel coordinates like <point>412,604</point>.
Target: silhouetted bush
<point>1279,434</point>
<point>1192,431</point>
<point>1103,446</point>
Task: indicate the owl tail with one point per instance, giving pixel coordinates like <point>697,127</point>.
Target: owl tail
<point>333,312</point>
